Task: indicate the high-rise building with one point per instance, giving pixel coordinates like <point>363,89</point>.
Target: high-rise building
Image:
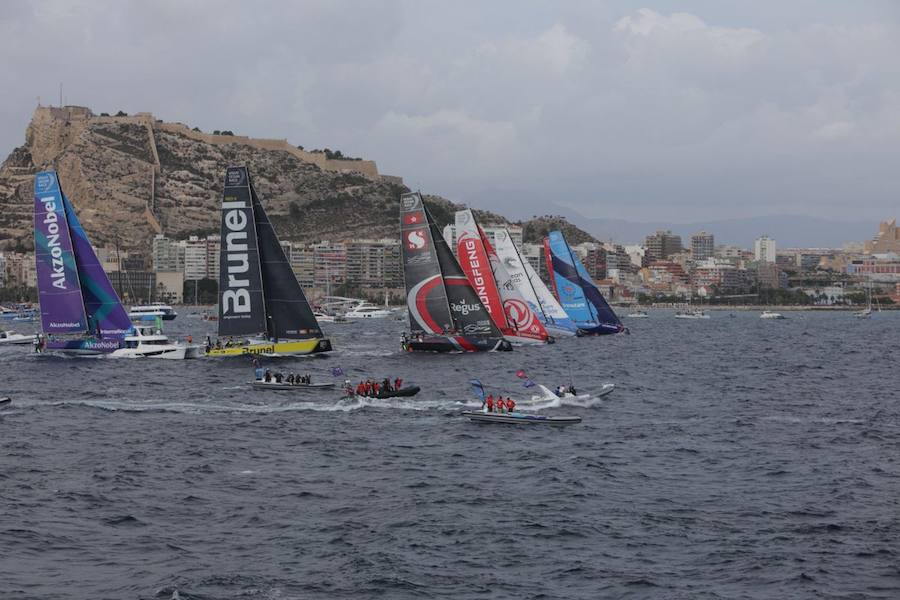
<point>168,255</point>
<point>374,263</point>
<point>764,250</point>
<point>661,245</point>
<point>195,259</point>
<point>213,248</point>
<point>703,246</point>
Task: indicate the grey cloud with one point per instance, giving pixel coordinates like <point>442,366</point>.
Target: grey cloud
<point>657,110</point>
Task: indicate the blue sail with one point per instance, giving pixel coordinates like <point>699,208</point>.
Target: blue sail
<point>579,296</point>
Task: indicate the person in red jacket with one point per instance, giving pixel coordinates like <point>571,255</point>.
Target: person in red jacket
<point>490,403</point>
<point>510,405</point>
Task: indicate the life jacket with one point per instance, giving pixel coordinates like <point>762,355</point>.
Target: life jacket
<point>490,402</point>
<point>510,405</point>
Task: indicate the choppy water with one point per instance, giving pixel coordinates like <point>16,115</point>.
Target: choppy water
<point>737,458</point>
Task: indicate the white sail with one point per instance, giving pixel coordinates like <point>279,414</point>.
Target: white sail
<point>530,286</point>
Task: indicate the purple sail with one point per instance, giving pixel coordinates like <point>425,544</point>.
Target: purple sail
<point>105,314</point>
<point>59,289</point>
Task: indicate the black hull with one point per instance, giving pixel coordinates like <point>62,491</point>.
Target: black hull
<point>401,393</point>
<point>457,344</point>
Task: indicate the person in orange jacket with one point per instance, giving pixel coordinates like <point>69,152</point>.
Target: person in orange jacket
<point>490,403</point>
<point>510,405</point>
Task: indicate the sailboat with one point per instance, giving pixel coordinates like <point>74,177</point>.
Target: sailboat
<point>80,311</point>
<point>867,311</point>
<point>445,313</point>
<point>575,290</point>
<point>532,289</point>
<point>260,299</point>
<point>494,285</point>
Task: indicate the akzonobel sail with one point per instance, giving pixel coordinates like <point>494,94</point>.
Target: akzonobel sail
<point>80,311</point>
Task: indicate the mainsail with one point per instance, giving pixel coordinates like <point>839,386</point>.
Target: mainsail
<point>530,286</point>
<point>242,309</point>
<point>493,283</point>
<point>438,294</point>
<point>575,290</point>
<point>59,291</point>
<point>287,309</point>
<point>258,291</point>
<point>75,293</point>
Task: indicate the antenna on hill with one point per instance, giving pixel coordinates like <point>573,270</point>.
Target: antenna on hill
<point>60,95</point>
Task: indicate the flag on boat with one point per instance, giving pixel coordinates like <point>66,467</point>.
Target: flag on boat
<point>521,374</point>
<point>477,388</point>
<point>336,371</point>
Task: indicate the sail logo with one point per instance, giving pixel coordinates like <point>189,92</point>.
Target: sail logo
<point>408,202</point>
<point>464,309</point>
<point>236,299</point>
<point>234,177</point>
<point>477,277</point>
<point>45,182</point>
<point>415,240</point>
<point>413,218</point>
<point>51,227</point>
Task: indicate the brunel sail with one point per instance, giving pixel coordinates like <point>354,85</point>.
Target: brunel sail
<point>80,311</point>
<point>493,283</point>
<point>574,289</point>
<point>445,313</point>
<point>260,300</point>
<point>532,289</point>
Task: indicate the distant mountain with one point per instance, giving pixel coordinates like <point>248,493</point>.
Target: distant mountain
<point>786,230</point>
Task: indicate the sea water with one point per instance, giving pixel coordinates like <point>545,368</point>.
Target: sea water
<point>737,458</point>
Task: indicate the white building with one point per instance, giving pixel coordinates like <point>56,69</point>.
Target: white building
<point>168,254</point>
<point>764,250</point>
<point>194,258</point>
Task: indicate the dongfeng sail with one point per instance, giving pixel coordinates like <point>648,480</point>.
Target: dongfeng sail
<point>80,311</point>
<point>445,313</point>
<point>494,285</point>
<point>532,289</point>
<point>262,308</point>
<point>576,292</point>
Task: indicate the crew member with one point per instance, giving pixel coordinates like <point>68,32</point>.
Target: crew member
<point>510,405</point>
<point>398,383</point>
<point>490,403</point>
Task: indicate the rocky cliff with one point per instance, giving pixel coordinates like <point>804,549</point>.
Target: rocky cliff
<point>131,177</point>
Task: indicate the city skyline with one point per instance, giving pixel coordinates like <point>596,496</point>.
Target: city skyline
<point>622,110</point>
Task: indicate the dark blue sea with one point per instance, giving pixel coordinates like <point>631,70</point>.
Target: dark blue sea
<point>737,458</point>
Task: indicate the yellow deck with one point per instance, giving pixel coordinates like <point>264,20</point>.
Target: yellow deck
<point>275,348</point>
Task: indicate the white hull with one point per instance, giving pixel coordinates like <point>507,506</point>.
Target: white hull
<point>559,331</point>
<point>168,352</point>
<point>523,341</point>
<point>692,316</point>
<point>637,315</point>
<point>12,339</point>
<point>771,315</point>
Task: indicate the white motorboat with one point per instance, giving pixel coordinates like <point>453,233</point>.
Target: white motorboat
<point>147,342</point>
<point>517,418</point>
<point>638,314</point>
<point>863,314</point>
<point>548,394</point>
<point>11,338</point>
<point>367,310</point>
<point>150,312</point>
<point>769,314</point>
<point>691,314</point>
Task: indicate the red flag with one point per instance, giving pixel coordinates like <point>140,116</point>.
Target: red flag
<point>521,374</point>
<point>413,218</point>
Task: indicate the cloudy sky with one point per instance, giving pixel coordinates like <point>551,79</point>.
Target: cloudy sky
<point>653,110</point>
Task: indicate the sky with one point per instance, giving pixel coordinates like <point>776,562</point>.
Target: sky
<point>645,111</point>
